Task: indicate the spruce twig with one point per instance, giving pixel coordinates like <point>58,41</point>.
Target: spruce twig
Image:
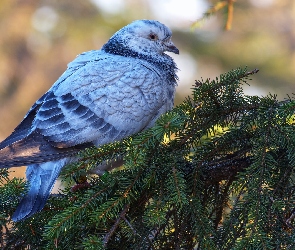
<point>116,224</point>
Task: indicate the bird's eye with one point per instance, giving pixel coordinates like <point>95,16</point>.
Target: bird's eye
<point>153,36</point>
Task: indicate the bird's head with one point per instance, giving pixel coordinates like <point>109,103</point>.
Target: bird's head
<point>145,37</point>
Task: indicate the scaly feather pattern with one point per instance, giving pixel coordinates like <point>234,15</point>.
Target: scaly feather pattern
<point>104,95</point>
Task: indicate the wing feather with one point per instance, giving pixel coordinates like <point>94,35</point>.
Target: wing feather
<point>102,101</point>
<point>99,99</point>
<point>35,149</point>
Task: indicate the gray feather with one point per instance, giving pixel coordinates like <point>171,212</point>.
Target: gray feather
<point>104,95</point>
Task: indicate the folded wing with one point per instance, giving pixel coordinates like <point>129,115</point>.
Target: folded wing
<point>98,100</point>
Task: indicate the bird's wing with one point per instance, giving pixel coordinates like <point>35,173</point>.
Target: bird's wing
<point>35,149</point>
<point>104,101</point>
<point>25,127</point>
<point>99,100</point>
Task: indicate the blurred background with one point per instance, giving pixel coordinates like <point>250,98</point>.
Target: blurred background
<point>39,37</point>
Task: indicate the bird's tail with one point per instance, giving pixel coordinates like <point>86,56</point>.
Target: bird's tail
<point>41,178</point>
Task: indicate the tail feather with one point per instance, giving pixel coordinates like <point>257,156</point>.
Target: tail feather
<point>41,178</point>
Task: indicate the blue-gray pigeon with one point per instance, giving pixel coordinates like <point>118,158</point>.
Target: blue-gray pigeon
<point>103,96</point>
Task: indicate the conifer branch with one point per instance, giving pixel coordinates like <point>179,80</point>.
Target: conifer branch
<point>116,224</point>
<point>223,180</point>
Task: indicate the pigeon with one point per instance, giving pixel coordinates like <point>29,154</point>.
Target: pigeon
<point>104,96</point>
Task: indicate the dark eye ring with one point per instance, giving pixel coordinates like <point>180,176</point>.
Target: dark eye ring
<point>153,37</point>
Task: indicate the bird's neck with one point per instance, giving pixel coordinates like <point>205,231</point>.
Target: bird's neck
<point>163,62</point>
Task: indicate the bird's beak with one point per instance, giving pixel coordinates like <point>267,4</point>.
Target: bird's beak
<point>171,47</point>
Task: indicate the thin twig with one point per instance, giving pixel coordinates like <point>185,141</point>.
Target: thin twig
<point>290,219</point>
<point>115,226</point>
<point>129,224</point>
<point>230,13</point>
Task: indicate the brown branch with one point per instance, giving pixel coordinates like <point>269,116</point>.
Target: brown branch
<point>290,219</point>
<point>230,13</point>
<point>115,226</point>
